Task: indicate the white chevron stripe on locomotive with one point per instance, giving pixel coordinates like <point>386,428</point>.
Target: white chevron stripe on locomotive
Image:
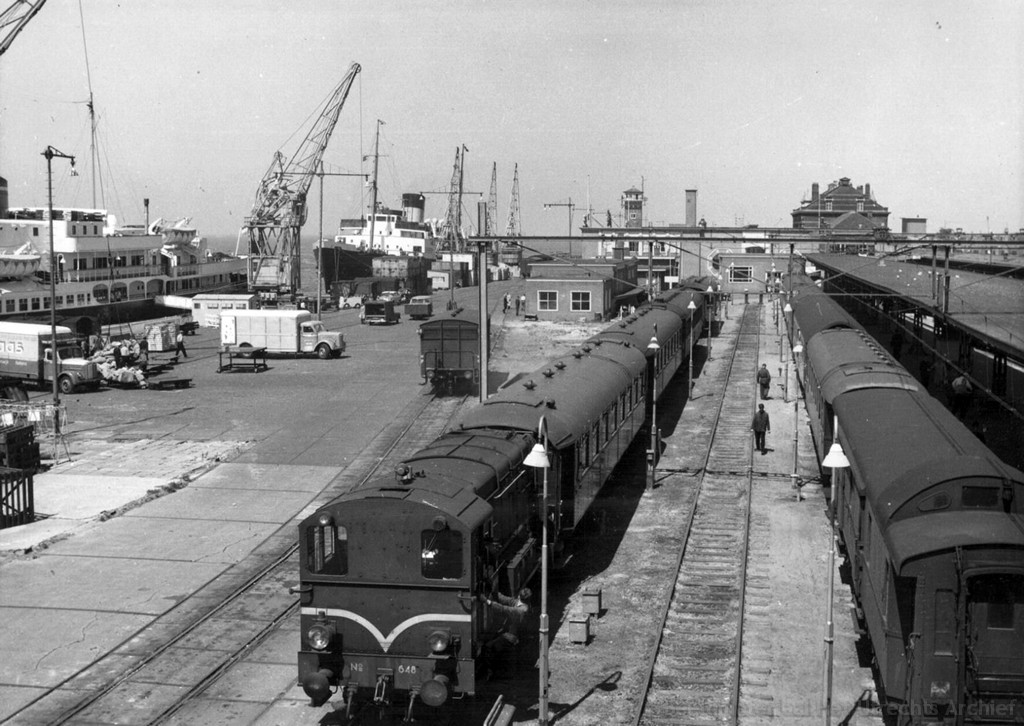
<point>386,642</point>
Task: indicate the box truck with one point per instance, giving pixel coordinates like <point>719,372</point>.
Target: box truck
<point>280,331</point>
<point>25,353</point>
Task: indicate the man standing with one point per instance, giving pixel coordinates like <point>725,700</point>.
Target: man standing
<point>506,303</point>
<point>761,425</point>
<point>764,379</point>
<point>180,350</point>
<point>962,390</point>
<point>517,305</point>
<point>512,611</point>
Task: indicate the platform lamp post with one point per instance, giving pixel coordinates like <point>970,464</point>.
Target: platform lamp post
<point>785,359</point>
<point>689,377</point>
<point>50,153</point>
<point>711,323</point>
<point>797,350</point>
<point>835,460</point>
<point>538,459</point>
<point>652,453</point>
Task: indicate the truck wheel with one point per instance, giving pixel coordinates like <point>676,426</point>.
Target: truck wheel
<point>66,385</point>
<point>323,352</point>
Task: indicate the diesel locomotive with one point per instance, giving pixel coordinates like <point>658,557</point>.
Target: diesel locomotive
<point>390,573</point>
<point>932,523</point>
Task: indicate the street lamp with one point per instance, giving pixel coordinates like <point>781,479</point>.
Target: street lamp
<point>652,454</point>
<point>785,359</point>
<point>50,153</point>
<point>689,389</point>
<point>835,460</point>
<point>538,459</point>
<point>797,350</point>
<point>714,301</point>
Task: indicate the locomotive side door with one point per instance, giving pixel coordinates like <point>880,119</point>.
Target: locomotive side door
<point>994,643</point>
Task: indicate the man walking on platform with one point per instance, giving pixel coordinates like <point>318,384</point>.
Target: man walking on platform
<point>761,425</point>
<point>764,379</point>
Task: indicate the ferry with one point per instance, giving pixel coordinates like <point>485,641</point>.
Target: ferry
<point>104,271</point>
<point>386,232</point>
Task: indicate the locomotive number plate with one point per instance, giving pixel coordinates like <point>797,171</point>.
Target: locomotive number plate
<point>406,669</point>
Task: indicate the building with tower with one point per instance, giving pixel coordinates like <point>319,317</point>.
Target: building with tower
<point>842,207</point>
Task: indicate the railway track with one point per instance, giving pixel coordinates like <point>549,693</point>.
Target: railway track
<point>250,600</point>
<point>694,675</point>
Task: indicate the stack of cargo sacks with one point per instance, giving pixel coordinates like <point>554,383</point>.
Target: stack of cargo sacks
<point>162,336</point>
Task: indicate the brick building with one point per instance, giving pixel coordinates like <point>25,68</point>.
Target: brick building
<point>591,289</point>
<point>841,207</point>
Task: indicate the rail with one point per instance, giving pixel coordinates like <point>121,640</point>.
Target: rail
<point>702,619</point>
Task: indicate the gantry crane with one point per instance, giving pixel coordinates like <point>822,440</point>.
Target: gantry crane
<point>272,229</point>
<point>14,19</point>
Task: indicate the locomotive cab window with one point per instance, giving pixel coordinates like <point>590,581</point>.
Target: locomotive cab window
<point>981,497</point>
<point>327,549</point>
<point>441,554</point>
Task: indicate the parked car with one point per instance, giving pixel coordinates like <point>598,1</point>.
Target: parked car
<point>352,301</point>
<point>378,312</point>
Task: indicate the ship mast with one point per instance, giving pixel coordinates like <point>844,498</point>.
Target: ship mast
<point>373,182</point>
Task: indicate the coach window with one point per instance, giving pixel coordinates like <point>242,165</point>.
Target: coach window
<point>579,301</point>
<point>980,497</point>
<point>327,549</point>
<point>547,300</point>
<point>441,554</point>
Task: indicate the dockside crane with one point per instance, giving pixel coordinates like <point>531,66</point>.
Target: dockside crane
<point>513,227</point>
<point>490,223</point>
<point>271,231</point>
<point>14,18</point>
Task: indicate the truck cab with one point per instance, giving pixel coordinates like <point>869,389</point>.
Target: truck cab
<point>73,371</point>
<point>316,338</point>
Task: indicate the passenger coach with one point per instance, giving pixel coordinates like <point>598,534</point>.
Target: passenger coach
<point>932,523</point>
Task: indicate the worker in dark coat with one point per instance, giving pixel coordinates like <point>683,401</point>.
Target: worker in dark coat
<point>761,425</point>
<point>511,612</point>
<point>764,380</point>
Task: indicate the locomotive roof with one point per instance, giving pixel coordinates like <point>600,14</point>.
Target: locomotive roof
<point>814,311</point>
<point>446,495</point>
<point>908,443</point>
<point>846,360</point>
<point>570,392</point>
<point>944,531</point>
<point>479,461</point>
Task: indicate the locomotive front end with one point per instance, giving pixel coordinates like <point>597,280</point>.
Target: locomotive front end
<point>386,610</point>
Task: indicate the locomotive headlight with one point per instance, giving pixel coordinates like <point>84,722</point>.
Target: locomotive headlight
<point>325,519</point>
<point>319,635</point>
<point>939,689</point>
<point>439,641</point>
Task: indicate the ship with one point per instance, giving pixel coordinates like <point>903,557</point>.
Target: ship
<point>386,232</point>
<point>104,272</point>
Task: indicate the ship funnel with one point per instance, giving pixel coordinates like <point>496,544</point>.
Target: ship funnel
<point>413,206</point>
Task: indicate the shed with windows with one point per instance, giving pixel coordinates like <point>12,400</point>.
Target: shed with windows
<point>586,289</point>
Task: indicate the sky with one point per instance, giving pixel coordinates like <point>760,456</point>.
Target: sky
<point>749,102</point>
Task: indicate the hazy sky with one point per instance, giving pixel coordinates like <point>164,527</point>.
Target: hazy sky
<point>749,102</point>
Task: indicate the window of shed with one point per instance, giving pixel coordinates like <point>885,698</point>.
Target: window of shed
<point>580,301</point>
<point>547,300</point>
<point>441,554</point>
<point>327,549</point>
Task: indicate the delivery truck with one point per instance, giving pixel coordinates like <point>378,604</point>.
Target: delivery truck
<point>292,332</point>
<point>25,353</point>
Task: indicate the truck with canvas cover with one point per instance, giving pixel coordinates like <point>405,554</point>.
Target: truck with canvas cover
<point>293,332</point>
<point>25,354</point>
